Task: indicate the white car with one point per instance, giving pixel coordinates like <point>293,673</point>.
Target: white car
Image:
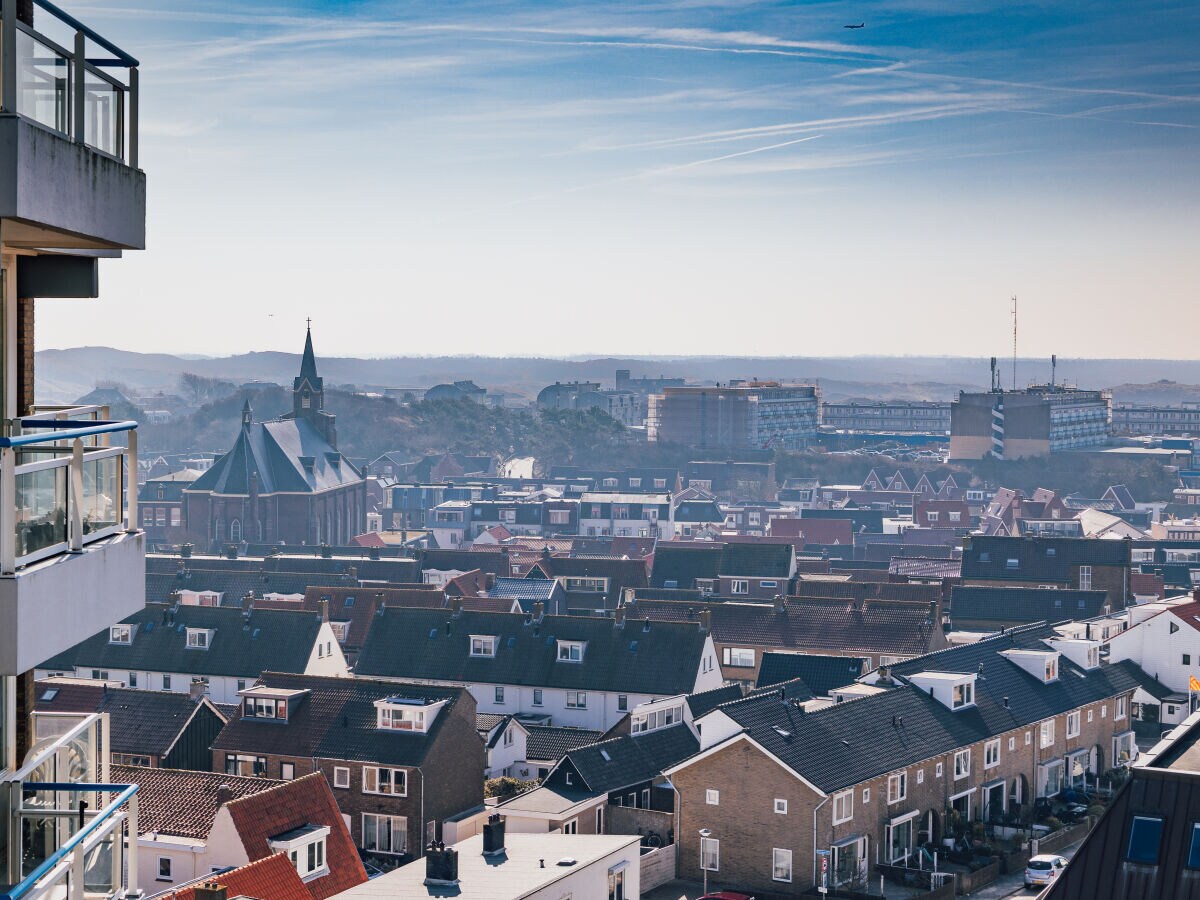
<point>1043,870</point>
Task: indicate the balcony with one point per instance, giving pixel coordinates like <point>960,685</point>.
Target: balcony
<point>72,561</point>
<point>69,173</point>
<point>67,826</point>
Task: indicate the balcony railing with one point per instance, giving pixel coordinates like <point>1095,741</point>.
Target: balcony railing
<point>63,88</point>
<point>65,493</point>
<point>77,833</point>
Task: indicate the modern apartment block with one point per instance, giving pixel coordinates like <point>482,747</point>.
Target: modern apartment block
<point>752,415</point>
<point>1031,422</point>
<point>72,559</point>
<point>1137,418</point>
<point>906,416</point>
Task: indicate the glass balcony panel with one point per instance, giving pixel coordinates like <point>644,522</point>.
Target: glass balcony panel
<point>102,115</point>
<point>43,83</point>
<point>41,510</point>
<point>102,495</point>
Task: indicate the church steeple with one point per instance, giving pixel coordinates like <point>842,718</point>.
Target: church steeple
<point>308,363</point>
<point>308,393</point>
<point>247,414</point>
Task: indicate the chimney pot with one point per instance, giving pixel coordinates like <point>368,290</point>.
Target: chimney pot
<point>706,620</point>
<point>619,617</point>
<point>456,606</point>
<point>324,604</point>
<point>539,609</point>
<point>224,794</point>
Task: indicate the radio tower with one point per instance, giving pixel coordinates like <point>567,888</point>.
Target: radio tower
<point>1014,318</point>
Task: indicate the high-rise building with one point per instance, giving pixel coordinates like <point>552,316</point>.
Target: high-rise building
<point>72,559</point>
<point>1032,422</point>
<point>751,415</point>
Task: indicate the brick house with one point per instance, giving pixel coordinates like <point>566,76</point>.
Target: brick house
<point>968,733</point>
<point>1076,563</point>
<point>401,758</point>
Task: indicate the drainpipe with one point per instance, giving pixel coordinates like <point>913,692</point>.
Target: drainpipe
<point>817,809</point>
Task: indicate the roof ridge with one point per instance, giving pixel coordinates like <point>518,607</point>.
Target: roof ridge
<point>280,786</point>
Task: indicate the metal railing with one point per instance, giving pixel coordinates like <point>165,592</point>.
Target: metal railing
<point>77,832</point>
<point>57,493</point>
<point>65,89</point>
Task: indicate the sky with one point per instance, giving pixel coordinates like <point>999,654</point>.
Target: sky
<point>667,177</point>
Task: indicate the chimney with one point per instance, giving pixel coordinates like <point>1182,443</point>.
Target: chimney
<point>197,690</point>
<point>210,890</point>
<point>706,620</point>
<point>493,835</point>
<point>324,606</point>
<point>352,573</point>
<point>934,618</point>
<point>619,617</point>
<point>885,675</point>
<point>441,864</point>
<point>247,601</point>
<point>224,794</point>
<point>780,603</point>
<point>539,609</point>
<point>456,606</point>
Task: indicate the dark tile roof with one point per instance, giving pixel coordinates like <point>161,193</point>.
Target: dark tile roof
<point>1039,558</point>
<point>413,643</point>
<point>706,701</point>
<point>546,742</point>
<point>756,560</point>
<point>1024,604</point>
<point>356,568</point>
<point>819,672</point>
<point>241,646</point>
<point>851,742</point>
<point>139,721</point>
<point>874,626</point>
<point>181,802</point>
<point>338,721</point>
<point>621,573</point>
<point>292,804</point>
<point>620,762</point>
<point>494,562</point>
<point>925,567</point>
<point>232,585</point>
<point>682,562</point>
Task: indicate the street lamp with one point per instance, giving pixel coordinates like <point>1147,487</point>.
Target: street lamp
<point>705,834</point>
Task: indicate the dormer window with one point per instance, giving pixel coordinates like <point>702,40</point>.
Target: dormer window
<point>199,638</point>
<point>264,708</point>
<point>654,719</point>
<point>120,634</point>
<point>571,651</point>
<point>483,645</point>
<point>406,713</point>
<point>964,695</point>
<point>305,847</point>
<point>1051,669</point>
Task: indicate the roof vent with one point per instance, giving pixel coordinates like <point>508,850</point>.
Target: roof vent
<point>567,861</point>
<point>782,732</point>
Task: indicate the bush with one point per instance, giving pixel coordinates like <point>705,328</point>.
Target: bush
<point>505,787</point>
<point>1052,823</point>
<point>1096,810</point>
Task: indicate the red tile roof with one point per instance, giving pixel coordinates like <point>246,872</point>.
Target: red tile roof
<point>293,804</point>
<point>181,802</point>
<point>271,878</point>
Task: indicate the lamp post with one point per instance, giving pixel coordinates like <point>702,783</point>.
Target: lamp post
<point>705,834</point>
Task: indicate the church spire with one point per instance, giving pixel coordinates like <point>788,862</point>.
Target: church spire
<point>247,414</point>
<point>308,363</point>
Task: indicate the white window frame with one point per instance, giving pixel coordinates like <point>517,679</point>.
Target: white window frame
<point>576,699</point>
<point>739,586</point>
<point>779,857</point>
<point>373,781</point>
<point>193,638</point>
<point>844,800</point>
<point>341,777</point>
<point>1046,734</point>
<point>991,754</point>
<point>710,850</point>
<point>781,806</point>
<point>395,825</point>
<point>962,764</point>
<point>120,634</point>
<point>897,787</point>
<point>483,645</point>
<point>738,657</point>
<point>1076,719</point>
<point>567,651</point>
<point>1120,709</point>
<point>712,797</point>
<point>167,876</point>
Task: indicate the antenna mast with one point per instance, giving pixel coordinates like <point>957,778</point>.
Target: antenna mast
<point>1014,318</point>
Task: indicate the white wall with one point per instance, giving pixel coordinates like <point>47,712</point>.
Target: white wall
<point>601,713</point>
<point>326,657</point>
<point>1160,652</point>
<point>592,881</point>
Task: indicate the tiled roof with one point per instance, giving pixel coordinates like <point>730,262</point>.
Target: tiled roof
<point>1038,558</point>
<point>819,672</point>
<point>293,804</point>
<point>526,590</point>
<point>139,721</point>
<point>682,562</point>
<point>241,646</point>
<point>631,759</point>
<point>706,701</point>
<point>337,720</point>
<point>232,584</point>
<point>1022,604</point>
<point>851,742</point>
<point>181,802</point>
<point>489,560</point>
<point>397,569</point>
<point>414,643</point>
<point>756,559</point>
<point>874,626</point>
<point>622,573</point>
<point>924,567</point>
<point>271,878</point>
<point>869,590</point>
<point>546,742</point>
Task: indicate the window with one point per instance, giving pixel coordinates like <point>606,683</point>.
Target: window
<point>991,754</point>
<point>1145,836</point>
<point>384,834</point>
<point>570,651</point>
<point>937,771</point>
<point>931,516</point>
<point>1012,744</point>
<point>1119,712</point>
<point>401,719</point>
<point>920,776</point>
<point>655,719</point>
<point>498,693</point>
<point>164,868</point>
<point>133,679</point>
<point>616,882</point>
<point>781,865</point>
<point>166,682</point>
<point>197,638</point>
<point>962,763</point>
<point>964,695</point>
<point>100,674</point>
<point>576,700</point>
<point>1046,734</point>
<point>244,764</point>
<point>385,781</point>
<point>1073,724</point>
<point>537,696</point>
<point>843,807</point>
<point>1051,669</point>
<point>710,854</point>
<point>120,634</point>
<point>866,795</point>
<point>1124,749</point>
<point>176,517</point>
<point>1187,659</point>
<point>712,798</point>
<point>739,586</point>
<point>660,483</point>
<point>1028,738</point>
<point>1012,564</point>
<point>739,658</point>
<point>897,787</point>
<point>1193,860</point>
<point>780,806</point>
<point>560,517</point>
<point>483,645</point>
<point>341,777</point>
<point>130,759</point>
<point>571,827</point>
<point>287,771</point>
<point>622,702</point>
<point>1085,578</point>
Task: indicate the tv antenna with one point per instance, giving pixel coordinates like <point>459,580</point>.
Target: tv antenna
<point>1014,318</point>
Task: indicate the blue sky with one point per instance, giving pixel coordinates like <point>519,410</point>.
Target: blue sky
<point>665,177</point>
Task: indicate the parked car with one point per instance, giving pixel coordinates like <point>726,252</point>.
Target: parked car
<point>1043,869</point>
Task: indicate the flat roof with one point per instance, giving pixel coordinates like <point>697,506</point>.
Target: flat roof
<point>546,802</point>
<point>517,872</point>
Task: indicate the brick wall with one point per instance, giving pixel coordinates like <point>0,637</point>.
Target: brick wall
<point>25,352</point>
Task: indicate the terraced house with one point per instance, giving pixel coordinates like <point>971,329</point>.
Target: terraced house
<point>940,741</point>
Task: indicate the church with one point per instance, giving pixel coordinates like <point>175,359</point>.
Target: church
<point>283,481</point>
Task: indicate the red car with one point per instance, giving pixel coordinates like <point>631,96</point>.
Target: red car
<point>727,895</point>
